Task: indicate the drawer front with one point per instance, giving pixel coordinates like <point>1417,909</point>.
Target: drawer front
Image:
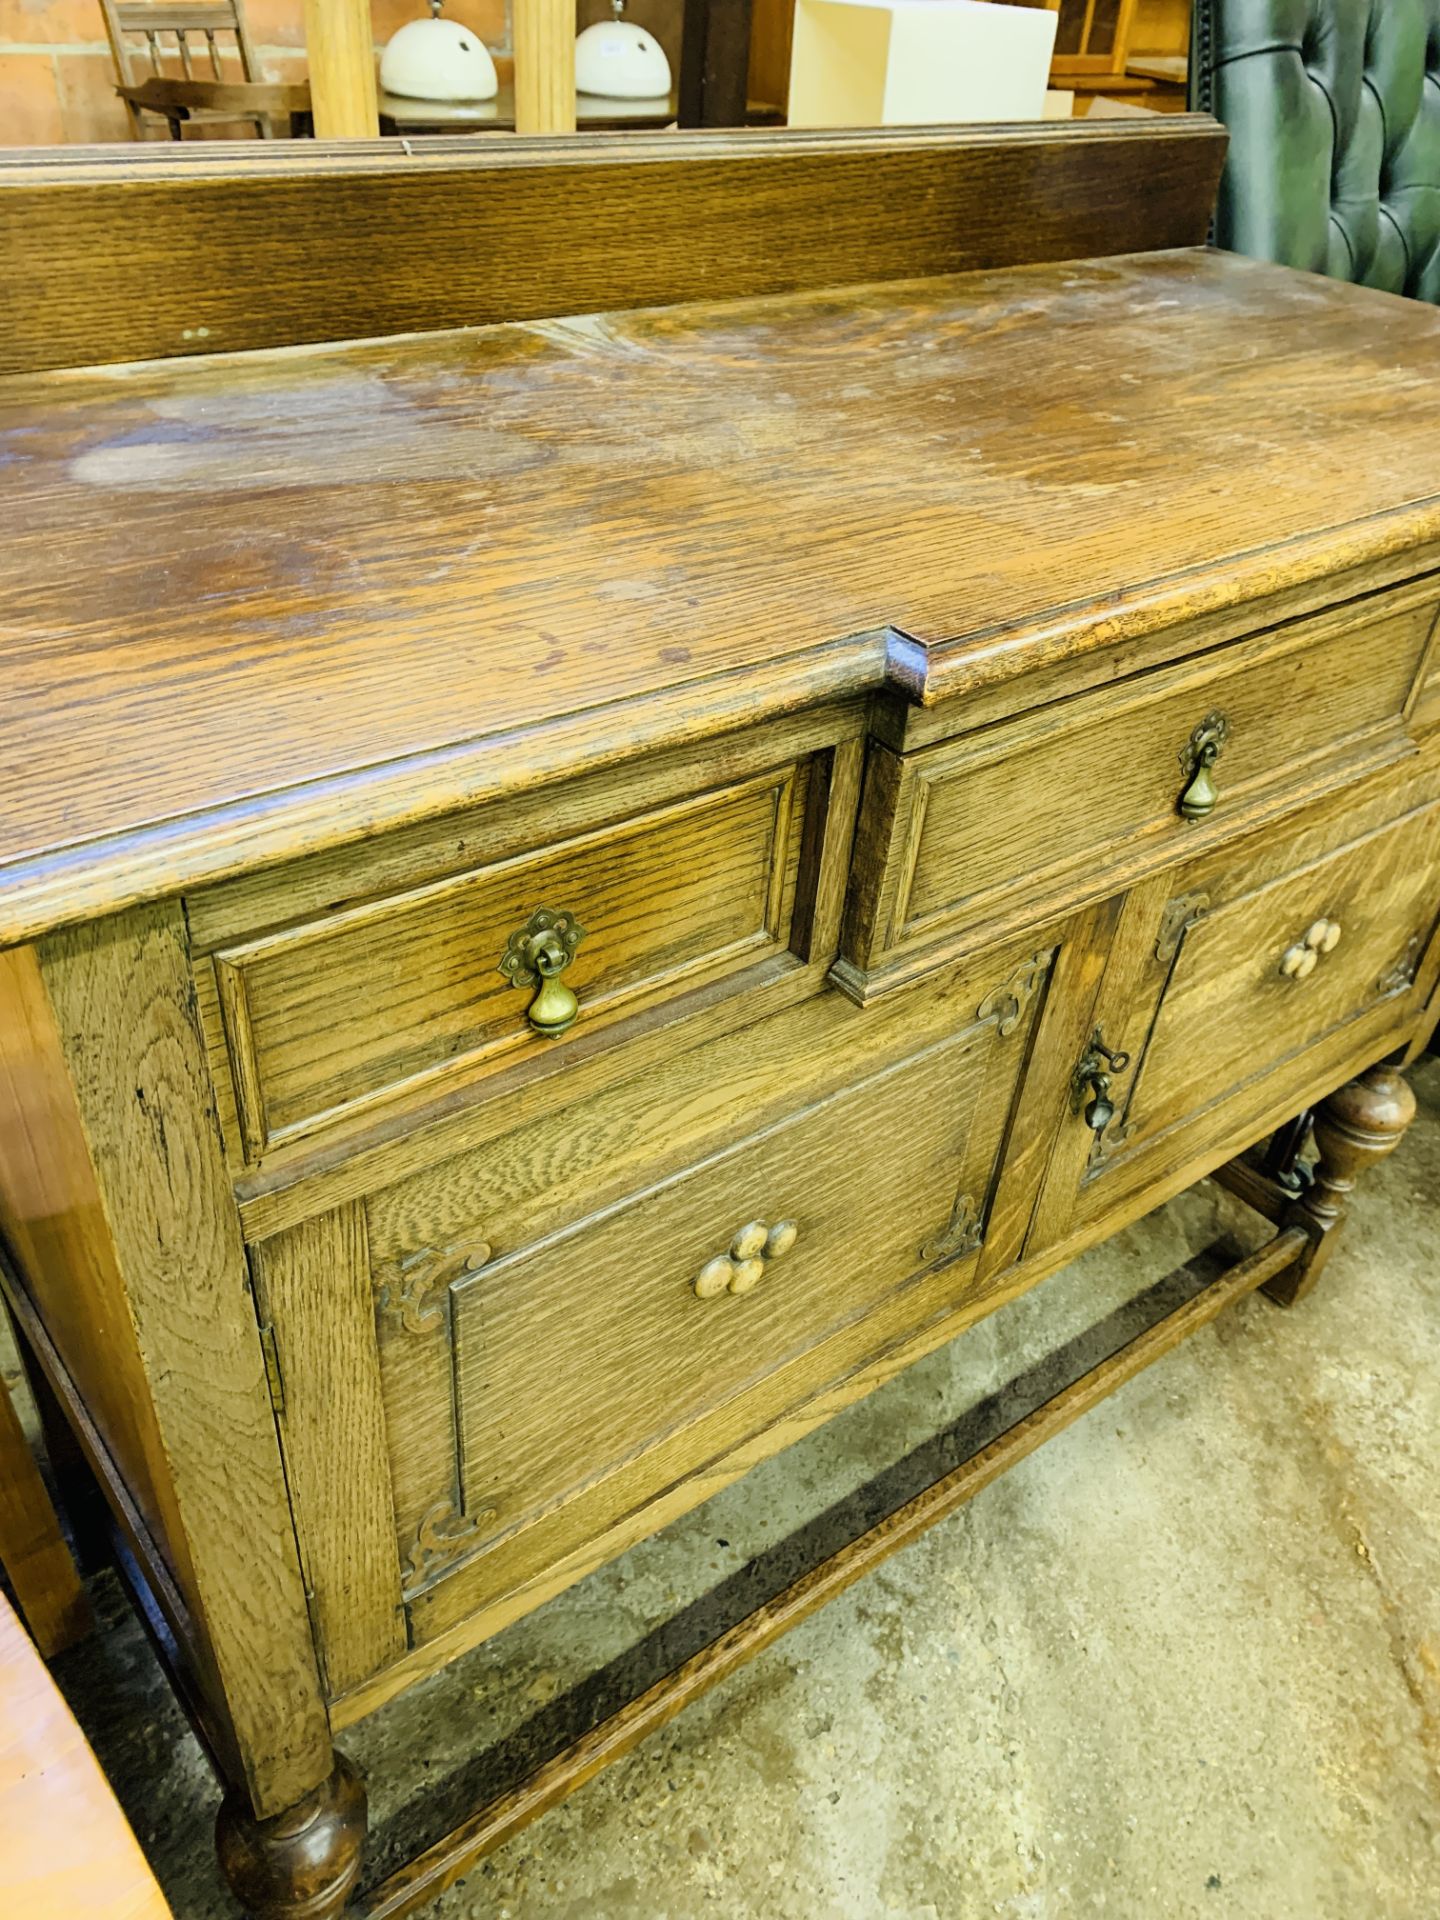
<point>400,995</point>
<point>1255,979</point>
<point>1081,795</point>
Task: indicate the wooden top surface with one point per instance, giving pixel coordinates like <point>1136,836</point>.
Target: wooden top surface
<point>255,604</point>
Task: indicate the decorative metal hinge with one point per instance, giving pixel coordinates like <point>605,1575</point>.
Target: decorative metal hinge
<point>1398,978</point>
<point>1179,918</point>
<point>273,1378</point>
<point>963,1233</point>
<point>1006,1003</point>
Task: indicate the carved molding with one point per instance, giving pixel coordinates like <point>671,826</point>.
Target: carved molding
<point>444,1534</point>
<point>1178,919</point>
<point>413,1292</point>
<point>1005,1004</point>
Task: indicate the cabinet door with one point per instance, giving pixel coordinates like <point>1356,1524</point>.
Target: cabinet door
<point>517,1360</point>
<point>1233,988</point>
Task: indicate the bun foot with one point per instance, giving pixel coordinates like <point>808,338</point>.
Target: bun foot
<point>301,1864</point>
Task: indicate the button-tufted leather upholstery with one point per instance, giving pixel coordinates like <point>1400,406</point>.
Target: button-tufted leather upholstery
<point>1333,108</point>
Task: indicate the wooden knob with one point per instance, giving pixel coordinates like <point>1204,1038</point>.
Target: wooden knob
<point>744,1274</point>
<point>744,1266</point>
<point>714,1278</point>
<point>749,1241</point>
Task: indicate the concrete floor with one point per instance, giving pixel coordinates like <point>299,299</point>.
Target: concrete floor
<point>1185,1661</point>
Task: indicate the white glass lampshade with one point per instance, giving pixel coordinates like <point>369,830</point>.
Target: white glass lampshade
<point>438,59</point>
<point>621,61</point>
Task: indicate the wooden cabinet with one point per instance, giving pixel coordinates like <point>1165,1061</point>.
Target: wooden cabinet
<point>575,894</point>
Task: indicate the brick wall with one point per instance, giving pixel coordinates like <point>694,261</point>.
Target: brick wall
<point>57,77</point>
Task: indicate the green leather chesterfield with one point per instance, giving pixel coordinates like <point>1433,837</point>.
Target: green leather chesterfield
<point>1333,108</point>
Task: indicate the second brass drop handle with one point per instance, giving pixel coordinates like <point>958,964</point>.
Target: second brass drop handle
<point>1200,795</point>
<point>1093,1077</point>
<point>535,956</point>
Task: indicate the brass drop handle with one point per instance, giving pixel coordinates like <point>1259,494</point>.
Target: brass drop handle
<point>535,956</point>
<point>1200,794</point>
<point>1093,1078</point>
<point>745,1265</point>
<point>1302,956</point>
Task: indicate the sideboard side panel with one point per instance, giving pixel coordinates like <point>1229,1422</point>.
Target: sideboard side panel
<point>141,1105</point>
<point>53,1221</point>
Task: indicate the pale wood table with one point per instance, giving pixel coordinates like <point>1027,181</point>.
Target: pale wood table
<point>67,1848</point>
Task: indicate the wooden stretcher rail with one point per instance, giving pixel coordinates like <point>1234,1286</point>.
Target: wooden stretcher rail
<point>421,1880</point>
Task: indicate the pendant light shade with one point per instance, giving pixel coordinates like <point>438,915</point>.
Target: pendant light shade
<point>438,59</point>
<point>620,61</point>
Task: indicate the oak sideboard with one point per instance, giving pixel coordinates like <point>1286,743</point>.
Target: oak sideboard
<point>640,777</point>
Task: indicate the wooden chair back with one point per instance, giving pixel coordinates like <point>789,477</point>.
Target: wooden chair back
<point>154,43</point>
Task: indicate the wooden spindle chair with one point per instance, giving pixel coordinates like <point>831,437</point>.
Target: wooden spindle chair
<point>211,36</point>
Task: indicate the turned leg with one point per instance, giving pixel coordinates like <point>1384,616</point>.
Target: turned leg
<point>301,1864</point>
<point>1358,1125</point>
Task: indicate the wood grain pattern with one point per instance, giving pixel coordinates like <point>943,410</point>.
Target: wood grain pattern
<point>332,1014</point>
<point>1122,983</point>
<point>544,35</point>
<point>66,1845</point>
<point>433,850</point>
<point>673,1473</point>
<point>184,1651</point>
<point>574,1354</point>
<point>314,1287</point>
<point>340,56</point>
<point>125,1014</point>
<point>53,1218</point>
<point>1055,800</point>
<point>375,643</point>
<point>421,1880</point>
<point>1230,1128</point>
<point>523,228</point>
<point>251,560</point>
<point>536,1172</point>
<point>244,910</point>
<point>1064,1026</point>
<point>1227,1003</point>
